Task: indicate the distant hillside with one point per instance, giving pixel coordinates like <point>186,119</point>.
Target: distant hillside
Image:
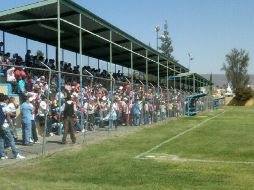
<point>220,79</point>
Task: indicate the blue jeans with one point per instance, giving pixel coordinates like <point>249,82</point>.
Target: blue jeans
<point>26,131</point>
<point>136,118</point>
<point>2,136</point>
<point>77,127</point>
<point>6,134</point>
<point>146,118</point>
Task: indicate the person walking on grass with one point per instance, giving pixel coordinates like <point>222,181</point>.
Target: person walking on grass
<point>68,114</point>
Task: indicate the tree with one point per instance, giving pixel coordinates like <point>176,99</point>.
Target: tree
<point>211,84</point>
<point>166,43</point>
<point>236,70</point>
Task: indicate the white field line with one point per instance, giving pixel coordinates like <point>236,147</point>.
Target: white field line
<point>177,159</point>
<point>178,135</point>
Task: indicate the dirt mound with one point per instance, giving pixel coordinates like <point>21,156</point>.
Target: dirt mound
<point>250,102</point>
<point>229,101</point>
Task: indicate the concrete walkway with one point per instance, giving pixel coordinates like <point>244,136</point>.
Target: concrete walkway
<point>53,143</point>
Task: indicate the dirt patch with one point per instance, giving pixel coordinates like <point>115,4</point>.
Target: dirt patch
<point>233,102</point>
<point>250,102</point>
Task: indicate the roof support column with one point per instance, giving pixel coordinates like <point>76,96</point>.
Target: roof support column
<point>58,52</point>
<point>81,63</point>
<point>158,75</point>
<point>76,58</point>
<point>26,44</point>
<point>80,67</point>
<point>146,72</point>
<point>131,68</point>
<point>194,90</point>
<point>111,78</point>
<point>167,83</point>
<point>174,77</point>
<point>63,55</point>
<point>180,79</point>
<point>185,84</point>
<point>3,39</point>
<point>110,66</point>
<point>47,53</point>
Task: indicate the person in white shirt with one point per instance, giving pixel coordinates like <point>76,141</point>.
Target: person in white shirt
<point>5,131</point>
<point>10,75</point>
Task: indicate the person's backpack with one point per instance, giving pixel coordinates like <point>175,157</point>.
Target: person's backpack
<point>2,115</point>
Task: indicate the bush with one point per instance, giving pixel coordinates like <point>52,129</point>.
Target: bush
<point>243,93</point>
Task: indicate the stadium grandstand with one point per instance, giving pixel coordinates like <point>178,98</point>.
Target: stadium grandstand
<point>101,98</point>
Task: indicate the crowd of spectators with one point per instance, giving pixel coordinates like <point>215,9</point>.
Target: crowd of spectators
<point>94,103</point>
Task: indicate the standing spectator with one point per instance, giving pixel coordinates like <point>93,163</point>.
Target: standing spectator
<point>21,89</point>
<point>13,109</point>
<point>127,112</point>
<point>136,113</point>
<point>26,117</point>
<point>68,120</point>
<point>146,112</point>
<point>111,117</point>
<point>5,132</point>
<point>42,113</point>
<point>116,109</point>
<point>28,57</point>
<point>90,114</point>
<point>162,110</point>
<point>34,135</point>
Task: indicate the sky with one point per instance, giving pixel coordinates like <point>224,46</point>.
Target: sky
<point>207,29</point>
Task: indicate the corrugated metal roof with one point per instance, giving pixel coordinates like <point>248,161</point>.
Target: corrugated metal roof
<point>45,31</point>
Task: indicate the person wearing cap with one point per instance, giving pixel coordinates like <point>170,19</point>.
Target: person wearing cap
<point>26,117</point>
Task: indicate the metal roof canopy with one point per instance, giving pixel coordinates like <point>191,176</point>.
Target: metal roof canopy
<point>199,80</point>
<point>38,21</point>
<point>195,96</point>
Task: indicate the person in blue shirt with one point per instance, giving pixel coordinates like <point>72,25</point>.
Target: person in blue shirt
<point>26,117</point>
<point>136,113</point>
<point>21,89</point>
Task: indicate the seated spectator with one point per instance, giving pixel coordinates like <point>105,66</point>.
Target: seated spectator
<point>29,84</point>
<point>28,58</point>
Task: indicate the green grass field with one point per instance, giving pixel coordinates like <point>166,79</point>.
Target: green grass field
<point>213,150</point>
